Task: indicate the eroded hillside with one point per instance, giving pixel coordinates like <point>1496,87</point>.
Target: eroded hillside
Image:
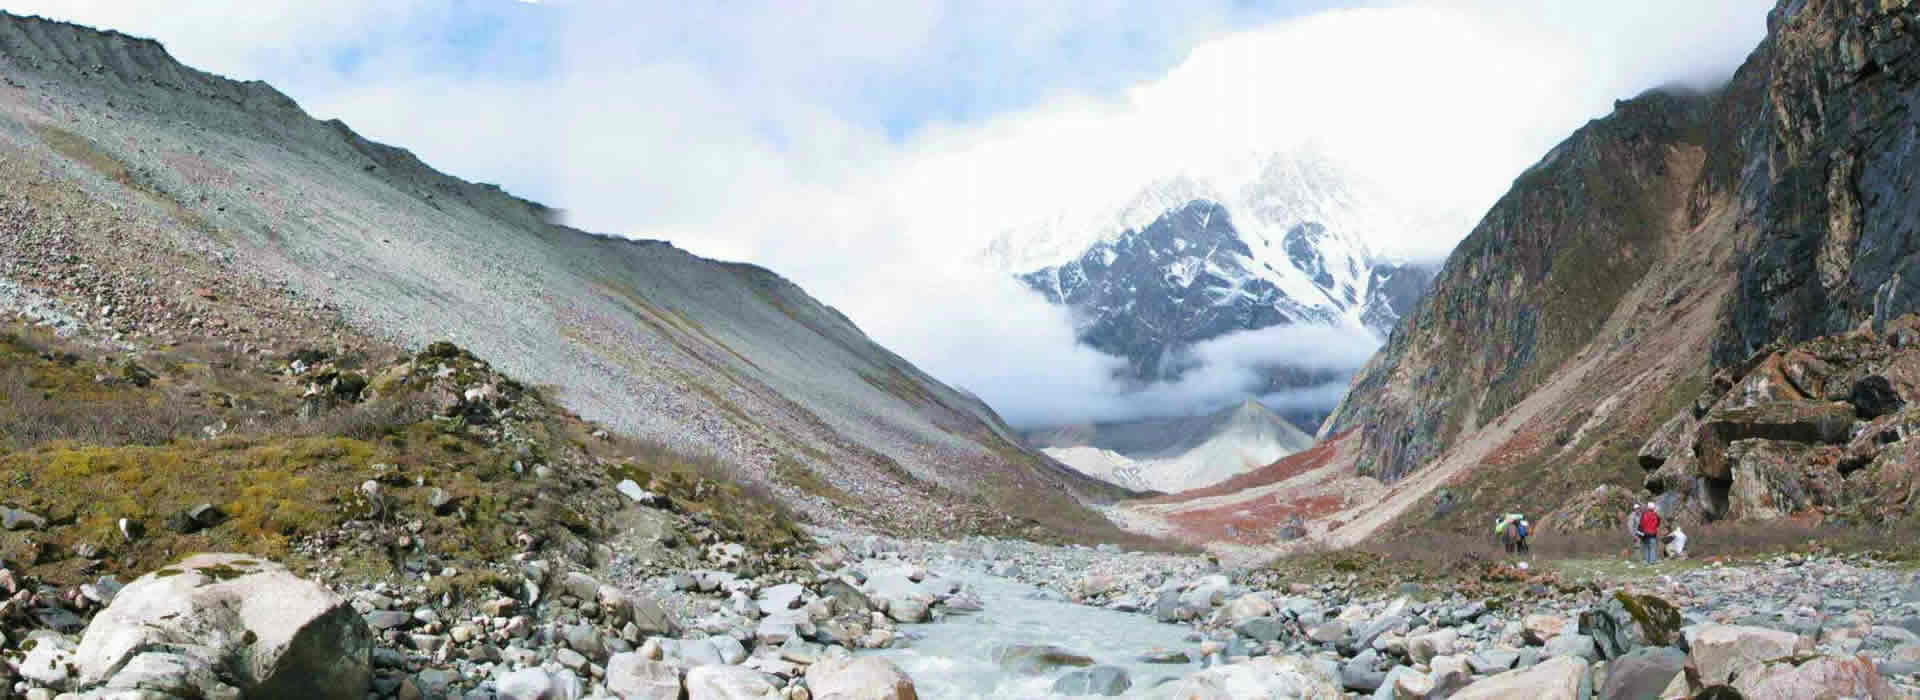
<point>1673,239</point>
<point>170,204</point>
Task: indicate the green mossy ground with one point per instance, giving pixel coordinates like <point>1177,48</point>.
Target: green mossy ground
<point>85,447</point>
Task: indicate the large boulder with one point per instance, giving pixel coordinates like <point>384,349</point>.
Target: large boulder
<point>1720,651</point>
<point>1819,677</point>
<point>1289,677</point>
<point>249,622</point>
<point>1642,673</point>
<point>16,519</point>
<point>1774,479</point>
<point>1099,680</point>
<point>1882,489</point>
<point>1672,439</point>
<point>1638,620</point>
<point>864,678</point>
<point>1560,678</point>
<point>911,608</point>
<point>632,677</point>
<point>1363,673</point>
<point>1541,627</point>
<point>1033,659</point>
<point>1364,637</point>
<point>1424,647</point>
<point>1807,422</point>
<point>526,684</point>
<point>1248,607</point>
<point>48,662</point>
<point>847,600</point>
<point>1572,645</point>
<point>729,683</point>
<point>1203,596</point>
<point>1874,396</point>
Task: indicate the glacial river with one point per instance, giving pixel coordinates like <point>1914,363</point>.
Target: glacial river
<point>955,657</point>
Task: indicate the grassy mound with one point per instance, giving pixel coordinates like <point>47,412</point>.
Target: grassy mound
<point>431,455</point>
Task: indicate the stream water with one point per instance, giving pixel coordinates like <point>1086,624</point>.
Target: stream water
<point>955,658</point>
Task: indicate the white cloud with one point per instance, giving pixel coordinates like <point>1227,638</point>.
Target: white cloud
<point>772,131</point>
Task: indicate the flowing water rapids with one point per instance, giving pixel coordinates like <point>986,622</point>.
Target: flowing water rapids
<point>955,658</point>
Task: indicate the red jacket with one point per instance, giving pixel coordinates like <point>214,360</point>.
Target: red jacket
<point>1649,522</point>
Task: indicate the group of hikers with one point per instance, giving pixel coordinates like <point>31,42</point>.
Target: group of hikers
<point>1512,530</point>
<point>1644,524</point>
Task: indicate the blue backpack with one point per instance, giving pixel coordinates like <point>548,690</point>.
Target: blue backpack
<point>1521,527</point>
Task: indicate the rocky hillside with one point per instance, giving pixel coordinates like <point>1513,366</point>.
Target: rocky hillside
<point>165,204</point>
<point>1657,247</point>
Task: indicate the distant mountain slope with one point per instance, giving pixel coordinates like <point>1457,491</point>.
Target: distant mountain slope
<point>139,180</point>
<point>1175,454</point>
<point>1194,259</point>
<point>1627,279</point>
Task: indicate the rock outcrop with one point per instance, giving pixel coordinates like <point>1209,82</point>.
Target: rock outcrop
<point>1646,283</point>
<point>216,625</point>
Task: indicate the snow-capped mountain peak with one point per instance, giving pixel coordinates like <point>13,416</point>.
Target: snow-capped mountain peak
<point>1281,240</point>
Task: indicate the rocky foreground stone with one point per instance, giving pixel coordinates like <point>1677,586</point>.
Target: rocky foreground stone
<point>1790,627</point>
<point>233,626</point>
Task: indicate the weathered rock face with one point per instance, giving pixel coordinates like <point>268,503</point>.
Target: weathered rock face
<point>633,677</point>
<point>1561,678</point>
<point>1836,213</point>
<point>1773,479</point>
<point>1824,676</point>
<point>1819,427</point>
<point>1676,238</point>
<point>1793,422</point>
<point>1720,651</point>
<point>1527,288</point>
<point>1642,673</point>
<point>866,678</point>
<point>1885,488</point>
<point>729,683</point>
<point>230,620</point>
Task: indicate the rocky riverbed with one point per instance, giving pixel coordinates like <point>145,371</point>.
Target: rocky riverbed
<point>870,617</point>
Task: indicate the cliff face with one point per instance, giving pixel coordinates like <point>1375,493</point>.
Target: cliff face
<point>186,206</point>
<point>1672,239</point>
<point>1530,286</point>
<point>1832,189</point>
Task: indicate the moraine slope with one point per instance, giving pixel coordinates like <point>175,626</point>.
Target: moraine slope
<point>170,191</point>
<point>1175,454</point>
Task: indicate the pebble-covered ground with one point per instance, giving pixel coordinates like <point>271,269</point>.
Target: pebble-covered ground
<point>715,621</point>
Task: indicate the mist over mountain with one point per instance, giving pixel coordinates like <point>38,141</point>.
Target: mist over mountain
<point>1280,247</point>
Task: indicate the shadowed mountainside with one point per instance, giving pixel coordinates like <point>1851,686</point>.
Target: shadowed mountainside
<point>1654,270</point>
<point>1670,240</point>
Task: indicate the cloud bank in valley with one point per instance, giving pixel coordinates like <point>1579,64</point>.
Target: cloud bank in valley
<point>869,151</point>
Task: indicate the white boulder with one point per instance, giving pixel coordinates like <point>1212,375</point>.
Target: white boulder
<point>250,622</point>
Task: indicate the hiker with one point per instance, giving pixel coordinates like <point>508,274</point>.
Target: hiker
<point>1677,544</point>
<point>1521,530</point>
<point>1649,532</point>
<point>1507,530</point>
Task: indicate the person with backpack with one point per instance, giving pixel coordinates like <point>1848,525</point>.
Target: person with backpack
<point>1649,532</point>
<point>1521,530</point>
<point>1507,530</point>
